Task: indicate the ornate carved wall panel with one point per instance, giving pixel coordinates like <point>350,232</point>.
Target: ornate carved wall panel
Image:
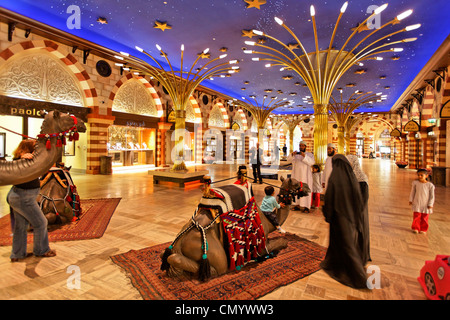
<point>190,113</point>
<point>216,117</point>
<point>133,97</point>
<point>39,76</point>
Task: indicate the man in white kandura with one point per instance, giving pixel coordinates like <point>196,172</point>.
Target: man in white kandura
<point>331,151</point>
<point>301,171</point>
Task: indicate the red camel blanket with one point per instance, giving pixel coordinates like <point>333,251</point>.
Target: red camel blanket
<point>243,231</point>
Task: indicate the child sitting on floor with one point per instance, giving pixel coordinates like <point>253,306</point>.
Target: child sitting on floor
<point>269,206</point>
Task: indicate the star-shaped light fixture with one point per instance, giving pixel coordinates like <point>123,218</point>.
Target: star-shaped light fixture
<point>322,69</point>
<point>180,85</point>
<point>341,110</point>
<point>262,111</point>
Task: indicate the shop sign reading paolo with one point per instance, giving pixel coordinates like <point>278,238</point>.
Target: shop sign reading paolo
<point>14,111</point>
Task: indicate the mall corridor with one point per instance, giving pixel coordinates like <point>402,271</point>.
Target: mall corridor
<point>151,214</point>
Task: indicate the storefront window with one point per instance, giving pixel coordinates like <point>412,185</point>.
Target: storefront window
<point>131,145</point>
<point>11,140</point>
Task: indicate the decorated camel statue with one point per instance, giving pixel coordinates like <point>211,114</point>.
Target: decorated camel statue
<point>227,231</point>
<point>54,129</point>
<point>58,198</point>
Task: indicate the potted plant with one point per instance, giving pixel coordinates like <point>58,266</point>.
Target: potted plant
<point>401,164</point>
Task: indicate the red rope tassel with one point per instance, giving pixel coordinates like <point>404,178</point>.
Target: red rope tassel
<point>48,144</point>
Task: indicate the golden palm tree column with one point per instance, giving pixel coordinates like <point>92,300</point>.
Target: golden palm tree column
<point>349,124</point>
<point>320,133</point>
<point>180,126</point>
<point>341,139</point>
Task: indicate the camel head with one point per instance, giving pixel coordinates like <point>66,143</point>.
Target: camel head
<point>56,121</point>
<point>291,188</point>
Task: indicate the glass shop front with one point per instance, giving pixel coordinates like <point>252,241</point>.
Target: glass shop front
<point>132,140</point>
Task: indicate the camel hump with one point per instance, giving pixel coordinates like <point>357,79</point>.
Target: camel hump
<point>228,198</point>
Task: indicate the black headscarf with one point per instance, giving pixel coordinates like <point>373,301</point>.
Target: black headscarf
<point>343,195</point>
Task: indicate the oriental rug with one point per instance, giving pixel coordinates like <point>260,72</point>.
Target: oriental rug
<point>92,223</point>
<point>300,259</point>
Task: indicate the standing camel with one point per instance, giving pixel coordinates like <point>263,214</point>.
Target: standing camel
<point>47,150</point>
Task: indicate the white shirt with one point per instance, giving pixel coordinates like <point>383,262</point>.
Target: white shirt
<point>301,171</point>
<point>317,183</point>
<point>422,196</point>
<point>327,172</point>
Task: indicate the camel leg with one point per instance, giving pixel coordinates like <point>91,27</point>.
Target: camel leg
<point>277,244</point>
<point>179,262</point>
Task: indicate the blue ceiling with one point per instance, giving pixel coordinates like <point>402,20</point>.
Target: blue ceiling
<point>200,24</point>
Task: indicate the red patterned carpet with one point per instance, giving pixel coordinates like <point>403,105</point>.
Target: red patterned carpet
<point>301,258</point>
<point>95,217</point>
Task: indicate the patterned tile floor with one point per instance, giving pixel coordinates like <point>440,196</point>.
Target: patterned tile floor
<point>150,214</point>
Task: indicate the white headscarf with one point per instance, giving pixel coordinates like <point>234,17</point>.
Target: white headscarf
<point>360,175</point>
<point>331,145</point>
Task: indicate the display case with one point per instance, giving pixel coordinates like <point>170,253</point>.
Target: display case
<point>131,145</point>
<point>2,145</point>
<point>210,150</point>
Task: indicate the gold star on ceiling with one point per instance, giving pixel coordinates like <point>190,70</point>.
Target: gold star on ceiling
<point>204,55</point>
<point>161,25</point>
<point>360,71</point>
<point>293,46</point>
<point>255,3</point>
<point>360,27</point>
<point>248,33</point>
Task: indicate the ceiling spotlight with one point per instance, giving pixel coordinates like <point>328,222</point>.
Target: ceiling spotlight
<point>380,9</point>
<point>405,14</point>
<point>279,21</point>
<point>413,27</point>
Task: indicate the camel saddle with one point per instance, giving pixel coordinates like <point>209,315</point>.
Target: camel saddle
<point>244,234</point>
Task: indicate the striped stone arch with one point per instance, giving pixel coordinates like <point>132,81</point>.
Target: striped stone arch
<point>199,130</point>
<point>197,111</point>
<point>357,127</point>
<point>427,105</point>
<point>88,89</point>
<point>244,119</point>
<point>145,83</point>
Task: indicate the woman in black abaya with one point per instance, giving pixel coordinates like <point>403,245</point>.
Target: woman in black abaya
<point>343,210</point>
<point>364,237</point>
